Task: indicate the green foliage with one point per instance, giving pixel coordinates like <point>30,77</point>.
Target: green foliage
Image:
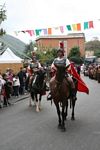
<point>43,54</point>
<point>76,60</point>
<point>2,18</point>
<point>46,57</point>
<point>75,56</point>
<point>92,45</point>
<point>97,53</point>
<point>2,31</point>
<point>75,51</point>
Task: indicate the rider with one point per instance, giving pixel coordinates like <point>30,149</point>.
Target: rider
<point>62,60</point>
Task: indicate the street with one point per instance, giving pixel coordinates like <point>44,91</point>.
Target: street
<point>22,128</point>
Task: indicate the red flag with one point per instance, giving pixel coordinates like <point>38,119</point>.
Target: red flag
<point>82,87</point>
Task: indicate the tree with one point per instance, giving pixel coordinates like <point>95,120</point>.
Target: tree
<point>2,18</point>
<point>75,55</point>
<point>92,45</point>
<point>44,54</point>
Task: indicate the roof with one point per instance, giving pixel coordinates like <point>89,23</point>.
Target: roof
<point>70,35</point>
<point>16,45</point>
<point>9,57</point>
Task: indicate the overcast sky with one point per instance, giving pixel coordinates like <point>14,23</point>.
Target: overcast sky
<point>34,14</point>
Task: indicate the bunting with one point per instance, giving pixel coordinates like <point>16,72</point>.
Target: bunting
<point>68,27</point>
<point>49,31</point>
<point>62,29</point>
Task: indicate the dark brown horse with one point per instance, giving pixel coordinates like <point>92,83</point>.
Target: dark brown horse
<point>60,91</point>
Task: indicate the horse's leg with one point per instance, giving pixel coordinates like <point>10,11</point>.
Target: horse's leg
<point>30,99</point>
<point>59,115</point>
<point>66,109</point>
<point>73,106</point>
<point>40,96</point>
<point>37,103</point>
<point>63,116</point>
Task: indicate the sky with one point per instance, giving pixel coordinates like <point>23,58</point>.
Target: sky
<point>35,14</point>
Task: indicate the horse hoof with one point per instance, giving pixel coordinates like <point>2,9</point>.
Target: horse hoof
<point>63,129</point>
<point>72,118</point>
<point>40,109</point>
<point>30,105</point>
<point>37,110</point>
<point>59,126</point>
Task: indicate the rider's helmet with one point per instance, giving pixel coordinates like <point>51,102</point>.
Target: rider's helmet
<point>60,50</point>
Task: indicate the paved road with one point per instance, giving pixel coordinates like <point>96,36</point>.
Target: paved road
<point>21,128</point>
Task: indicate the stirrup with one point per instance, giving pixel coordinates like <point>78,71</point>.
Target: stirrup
<point>74,98</point>
<point>49,97</point>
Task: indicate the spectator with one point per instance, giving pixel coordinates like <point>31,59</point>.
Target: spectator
<point>16,85</point>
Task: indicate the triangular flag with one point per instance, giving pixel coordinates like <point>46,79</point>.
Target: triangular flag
<point>86,25</point>
<point>91,24</point>
<point>74,26</point>
<point>68,27</point>
<point>78,26</point>
<point>45,31</point>
<point>38,31</point>
<point>61,29</point>
<point>31,32</point>
<point>49,31</point>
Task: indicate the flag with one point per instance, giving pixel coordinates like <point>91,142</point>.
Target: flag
<point>91,24</point>
<point>82,87</point>
<point>69,27</point>
<point>86,25</point>
<point>79,27</point>
<point>49,31</point>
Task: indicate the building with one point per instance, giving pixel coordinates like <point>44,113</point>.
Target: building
<point>70,41</point>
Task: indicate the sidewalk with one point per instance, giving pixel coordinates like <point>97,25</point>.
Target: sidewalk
<point>14,99</point>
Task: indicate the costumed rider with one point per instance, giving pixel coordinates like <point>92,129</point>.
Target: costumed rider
<point>61,59</point>
<point>33,69</point>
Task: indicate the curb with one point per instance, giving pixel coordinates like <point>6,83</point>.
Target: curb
<point>21,99</point>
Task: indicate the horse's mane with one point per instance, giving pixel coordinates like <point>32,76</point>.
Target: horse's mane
<point>38,84</point>
<point>59,84</point>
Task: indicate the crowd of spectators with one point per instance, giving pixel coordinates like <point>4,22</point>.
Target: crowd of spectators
<point>12,85</point>
<point>92,71</point>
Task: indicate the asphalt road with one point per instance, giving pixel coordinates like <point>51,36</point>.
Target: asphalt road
<point>22,128</point>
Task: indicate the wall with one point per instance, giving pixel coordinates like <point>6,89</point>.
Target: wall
<point>14,66</point>
<point>44,43</point>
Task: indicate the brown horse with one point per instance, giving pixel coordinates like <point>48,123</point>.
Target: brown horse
<point>60,91</point>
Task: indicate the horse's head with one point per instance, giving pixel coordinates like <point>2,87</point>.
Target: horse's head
<point>60,74</point>
<point>41,74</point>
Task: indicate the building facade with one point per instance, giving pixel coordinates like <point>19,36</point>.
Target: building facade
<point>70,41</point>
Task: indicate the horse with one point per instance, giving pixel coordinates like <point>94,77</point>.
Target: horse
<point>61,93</point>
<point>37,84</point>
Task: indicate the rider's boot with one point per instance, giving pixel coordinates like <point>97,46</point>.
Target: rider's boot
<point>49,97</point>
